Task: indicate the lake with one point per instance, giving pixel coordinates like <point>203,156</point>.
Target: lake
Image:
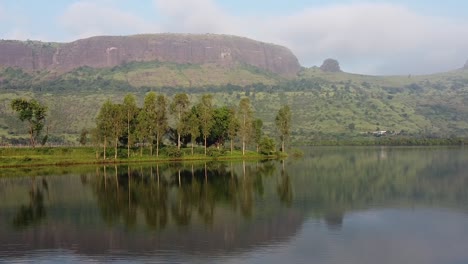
<point>334,205</point>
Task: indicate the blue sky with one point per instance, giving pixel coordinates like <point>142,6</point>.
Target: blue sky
<point>370,37</point>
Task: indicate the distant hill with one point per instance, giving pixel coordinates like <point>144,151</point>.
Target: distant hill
<point>326,101</point>
<point>110,51</point>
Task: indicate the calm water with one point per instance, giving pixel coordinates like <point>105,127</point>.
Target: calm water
<point>335,205</point>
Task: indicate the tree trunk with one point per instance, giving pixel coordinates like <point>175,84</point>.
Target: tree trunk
<point>243,146</point>
<point>157,144</point>
<point>192,147</point>
<point>151,148</point>
<point>204,137</point>
<point>178,140</point>
<point>115,147</point>
<point>105,140</point>
<point>31,137</point>
<point>128,135</point>
<point>232,145</point>
<point>282,145</point>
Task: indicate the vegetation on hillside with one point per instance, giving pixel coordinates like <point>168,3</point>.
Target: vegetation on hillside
<point>328,106</point>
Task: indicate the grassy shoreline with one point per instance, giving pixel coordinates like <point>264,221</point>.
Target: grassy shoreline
<point>70,156</point>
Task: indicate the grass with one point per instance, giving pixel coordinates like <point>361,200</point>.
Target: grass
<point>65,156</point>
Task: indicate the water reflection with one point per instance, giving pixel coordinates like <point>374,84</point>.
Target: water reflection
<point>223,209</point>
<point>180,193</point>
<point>33,212</point>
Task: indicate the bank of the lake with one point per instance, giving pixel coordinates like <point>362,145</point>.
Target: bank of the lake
<point>66,156</point>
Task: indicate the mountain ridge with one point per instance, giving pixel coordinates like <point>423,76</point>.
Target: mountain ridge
<point>111,51</point>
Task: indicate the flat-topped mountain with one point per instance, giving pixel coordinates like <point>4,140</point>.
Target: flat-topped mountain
<point>111,51</point>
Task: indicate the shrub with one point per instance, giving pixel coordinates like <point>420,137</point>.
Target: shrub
<point>173,152</point>
<point>215,152</point>
<point>266,145</point>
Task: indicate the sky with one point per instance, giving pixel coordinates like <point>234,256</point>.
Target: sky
<point>369,37</point>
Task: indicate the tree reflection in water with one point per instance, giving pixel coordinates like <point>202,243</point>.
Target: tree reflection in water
<point>35,211</point>
<point>181,191</point>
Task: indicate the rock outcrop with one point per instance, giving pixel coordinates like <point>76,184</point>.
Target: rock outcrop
<point>330,65</point>
<point>110,51</point>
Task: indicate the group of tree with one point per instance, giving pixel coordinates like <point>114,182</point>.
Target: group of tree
<point>182,122</point>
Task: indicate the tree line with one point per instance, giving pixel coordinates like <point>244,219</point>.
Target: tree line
<point>183,122</point>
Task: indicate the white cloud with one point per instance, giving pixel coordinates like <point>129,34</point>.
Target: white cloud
<point>85,19</point>
<point>373,38</point>
<point>365,33</point>
<point>201,16</point>
<point>365,37</point>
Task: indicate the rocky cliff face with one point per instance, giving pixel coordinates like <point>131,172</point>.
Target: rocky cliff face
<point>110,51</point>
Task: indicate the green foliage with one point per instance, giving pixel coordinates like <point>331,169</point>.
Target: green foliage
<point>179,107</point>
<point>205,111</point>
<point>283,124</point>
<point>83,139</point>
<point>34,113</point>
<point>267,145</point>
<point>244,115</point>
<point>173,152</point>
<point>215,152</point>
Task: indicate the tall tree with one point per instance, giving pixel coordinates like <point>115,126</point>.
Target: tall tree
<point>205,111</point>
<point>161,120</point>
<point>104,124</point>
<point>257,134</point>
<point>33,112</point>
<point>283,124</point>
<point>147,119</point>
<point>220,130</point>
<point>142,131</point>
<point>131,112</point>
<point>233,126</point>
<point>179,107</point>
<point>117,118</point>
<point>245,121</point>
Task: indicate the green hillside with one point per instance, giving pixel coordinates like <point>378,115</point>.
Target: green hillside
<point>324,104</point>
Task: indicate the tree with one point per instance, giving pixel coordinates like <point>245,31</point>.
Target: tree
<point>147,120</point>
<point>245,121</point>
<point>83,139</point>
<point>233,126</point>
<point>161,120</point>
<point>111,123</point>
<point>117,118</point>
<point>219,133</point>
<point>205,111</point>
<point>130,110</point>
<point>179,107</point>
<point>33,112</point>
<point>104,124</point>
<point>257,134</point>
<point>283,124</point>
